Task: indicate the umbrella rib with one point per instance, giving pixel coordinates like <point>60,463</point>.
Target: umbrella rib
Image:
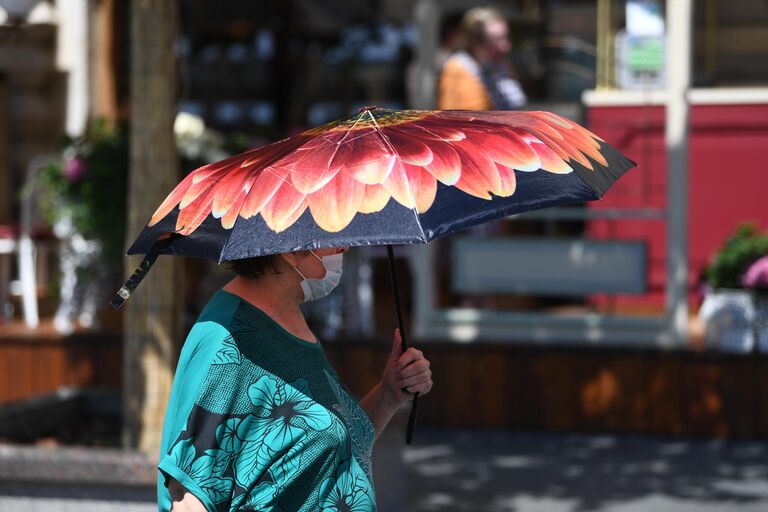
<point>357,137</point>
<point>349,130</point>
<point>400,163</point>
<point>451,143</point>
<point>338,144</point>
<point>432,133</point>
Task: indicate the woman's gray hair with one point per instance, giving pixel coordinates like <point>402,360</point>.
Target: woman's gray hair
<point>474,21</point>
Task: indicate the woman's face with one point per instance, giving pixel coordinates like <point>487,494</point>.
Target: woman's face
<point>497,44</point>
<point>309,265</point>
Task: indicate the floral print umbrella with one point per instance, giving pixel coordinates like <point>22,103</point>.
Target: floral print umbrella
<point>379,177</point>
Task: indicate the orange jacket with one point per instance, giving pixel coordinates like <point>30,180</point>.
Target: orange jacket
<point>459,88</point>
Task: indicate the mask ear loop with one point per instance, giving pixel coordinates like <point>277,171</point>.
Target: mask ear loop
<point>299,271</point>
<point>297,268</point>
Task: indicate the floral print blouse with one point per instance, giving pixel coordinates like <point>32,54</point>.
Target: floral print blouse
<point>258,420</point>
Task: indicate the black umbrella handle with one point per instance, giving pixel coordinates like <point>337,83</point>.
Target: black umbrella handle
<point>401,325</point>
<point>161,245</point>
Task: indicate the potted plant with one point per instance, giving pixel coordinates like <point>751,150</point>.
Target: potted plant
<point>728,311</point>
<point>756,280</point>
<point>82,195</point>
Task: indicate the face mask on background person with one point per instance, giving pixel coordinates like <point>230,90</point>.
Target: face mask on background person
<point>318,288</point>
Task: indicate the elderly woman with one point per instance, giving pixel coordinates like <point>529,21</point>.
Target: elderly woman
<point>258,419</point>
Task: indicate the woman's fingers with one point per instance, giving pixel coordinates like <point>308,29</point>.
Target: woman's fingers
<point>422,388</point>
<point>412,372</point>
<point>414,368</point>
<point>422,376</point>
<point>409,356</point>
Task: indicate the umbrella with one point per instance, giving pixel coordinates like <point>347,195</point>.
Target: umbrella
<point>379,177</point>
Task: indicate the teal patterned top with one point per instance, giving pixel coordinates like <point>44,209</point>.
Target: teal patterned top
<point>258,420</point>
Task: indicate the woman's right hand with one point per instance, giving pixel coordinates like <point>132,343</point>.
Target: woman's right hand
<point>406,373</point>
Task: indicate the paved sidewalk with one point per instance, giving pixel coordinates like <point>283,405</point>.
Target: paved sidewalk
<point>455,470</point>
<point>503,471</point>
<point>75,479</point>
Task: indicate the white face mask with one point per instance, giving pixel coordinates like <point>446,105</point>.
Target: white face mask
<point>318,288</point>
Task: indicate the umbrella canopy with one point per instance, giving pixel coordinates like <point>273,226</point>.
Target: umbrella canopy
<point>381,177</point>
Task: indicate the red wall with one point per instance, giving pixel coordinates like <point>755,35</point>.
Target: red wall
<point>727,183</point>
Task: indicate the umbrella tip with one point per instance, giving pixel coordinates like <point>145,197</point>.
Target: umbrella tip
<point>367,108</point>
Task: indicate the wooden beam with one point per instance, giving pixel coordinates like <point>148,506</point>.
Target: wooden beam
<point>5,175</point>
<point>606,33</point>
<point>104,88</point>
<point>152,316</point>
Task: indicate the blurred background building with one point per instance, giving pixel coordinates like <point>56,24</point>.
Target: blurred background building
<point>580,318</point>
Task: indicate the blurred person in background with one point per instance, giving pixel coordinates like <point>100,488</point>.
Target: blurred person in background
<point>450,38</point>
<point>481,77</point>
<point>450,42</point>
<point>257,418</point>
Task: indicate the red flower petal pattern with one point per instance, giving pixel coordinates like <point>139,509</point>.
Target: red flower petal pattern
<point>343,169</point>
<point>375,199</point>
<point>334,205</point>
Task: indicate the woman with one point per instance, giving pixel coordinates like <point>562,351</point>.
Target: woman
<point>257,418</point>
<point>481,77</point>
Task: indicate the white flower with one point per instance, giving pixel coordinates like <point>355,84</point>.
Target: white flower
<point>188,125</point>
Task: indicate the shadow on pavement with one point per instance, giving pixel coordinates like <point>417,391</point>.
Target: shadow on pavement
<point>495,470</point>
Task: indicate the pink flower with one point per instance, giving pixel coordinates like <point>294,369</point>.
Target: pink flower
<point>75,168</point>
<point>756,275</point>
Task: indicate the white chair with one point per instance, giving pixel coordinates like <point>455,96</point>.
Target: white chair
<point>20,242</point>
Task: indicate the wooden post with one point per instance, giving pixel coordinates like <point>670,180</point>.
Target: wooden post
<point>152,316</point>
<point>5,175</point>
<point>104,103</point>
<point>605,46</point>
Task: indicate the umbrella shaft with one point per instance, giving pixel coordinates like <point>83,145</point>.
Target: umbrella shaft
<point>401,325</point>
<point>396,290</point>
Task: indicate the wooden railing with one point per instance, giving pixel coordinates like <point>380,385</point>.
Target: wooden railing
<point>582,389</point>
<point>585,389</point>
<point>34,366</point>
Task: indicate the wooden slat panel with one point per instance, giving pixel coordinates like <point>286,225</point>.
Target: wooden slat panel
<point>596,386</point>
<point>25,372</point>
<point>363,368</point>
<point>41,378</point>
<point>761,400</point>
<point>489,382</point>
<point>432,405</point>
<point>81,365</point>
<point>634,404</point>
<point>738,388</point>
<point>489,386</point>
<point>524,398</point>
<point>6,200</point>
<point>57,365</point>
<point>558,385</point>
<point>702,402</point>
<point>109,366</point>
<point>664,395</point>
<point>459,389</point>
<point>6,377</point>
